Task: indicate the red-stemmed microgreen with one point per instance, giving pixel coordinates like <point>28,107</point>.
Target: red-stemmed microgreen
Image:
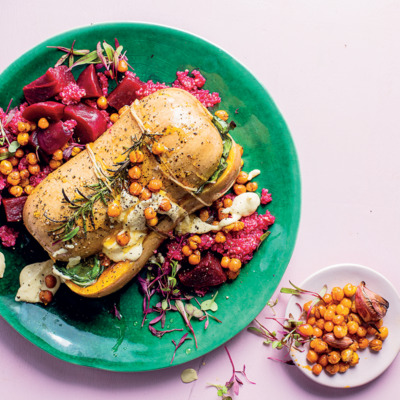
<point>298,291</point>
<point>233,384</point>
<point>180,343</point>
<point>105,56</point>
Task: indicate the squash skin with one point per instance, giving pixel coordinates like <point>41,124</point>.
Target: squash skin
<point>197,149</point>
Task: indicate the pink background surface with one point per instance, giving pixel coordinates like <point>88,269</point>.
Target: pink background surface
<point>332,68</point>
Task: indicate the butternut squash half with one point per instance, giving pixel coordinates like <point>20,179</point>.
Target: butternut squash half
<point>179,122</point>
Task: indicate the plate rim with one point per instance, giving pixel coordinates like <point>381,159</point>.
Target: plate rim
<point>127,367</point>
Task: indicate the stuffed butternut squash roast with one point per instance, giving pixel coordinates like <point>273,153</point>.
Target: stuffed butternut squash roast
<point>170,148</point>
<point>113,182</point>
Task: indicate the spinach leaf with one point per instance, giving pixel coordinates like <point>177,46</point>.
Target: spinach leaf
<point>83,274</point>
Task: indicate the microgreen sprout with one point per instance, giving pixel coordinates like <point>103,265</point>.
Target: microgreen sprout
<point>180,343</point>
<point>234,383</point>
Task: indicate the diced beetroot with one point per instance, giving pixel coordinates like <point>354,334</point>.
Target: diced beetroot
<point>54,137</point>
<point>89,81</point>
<point>91,122</point>
<point>207,273</point>
<point>48,85</point>
<point>46,109</point>
<point>13,208</point>
<point>125,92</point>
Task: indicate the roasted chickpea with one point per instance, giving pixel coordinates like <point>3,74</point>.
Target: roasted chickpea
<point>186,251</point>
<point>383,333</point>
<point>152,222</point>
<point>102,103</point>
<point>135,172</point>
<point>312,356</point>
<point>329,315</point>
<point>352,327</point>
<point>363,343</point>
<point>222,114</point>
<point>50,281</point>
<point>375,345</point>
<point>204,215</point>
<point>194,241</point>
<point>54,164</point>
<point>327,298</point>
<point>123,238</point>
<point>194,259</point>
<point>340,331</point>
<point>347,355</point>
<point>145,194</point>
<point>343,366</point>
<point>114,118</point>
<point>155,185</point>
<point>45,296</point>
<point>305,330</point>
<point>323,360</point>
<point>220,237</point>
<point>5,167</point>
<point>114,210</point>
<point>320,323</point>
<point>333,357</point>
<point>227,202</point>
<point>31,158</point>
<point>43,123</point>
<point>361,331</point>
<point>225,262</point>
<point>234,264</point>
<point>158,148</point>
<point>251,186</point>
<point>23,139</point>
<point>316,369</point>
<point>242,178</point>
<point>346,302</point>
<point>329,326</point>
<point>321,346</point>
<point>332,369</point>
<point>28,189</point>
<point>58,155</point>
<point>337,293</point>
<point>317,332</point>
<point>135,189</point>
<point>342,310</point>
<point>122,66</point>
<point>354,360</point>
<point>150,213</point>
<point>349,290</point>
<point>19,153</point>
<point>16,191</point>
<point>14,178</point>
<point>239,189</point>
<point>165,205</point>
<point>338,319</point>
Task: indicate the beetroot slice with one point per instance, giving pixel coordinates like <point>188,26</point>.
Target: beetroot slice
<point>89,81</point>
<point>48,85</point>
<point>54,137</point>
<point>91,122</point>
<point>46,109</point>
<point>125,92</point>
<point>13,208</point>
<point>207,273</point>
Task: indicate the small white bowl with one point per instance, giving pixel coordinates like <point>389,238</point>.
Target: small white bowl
<point>371,364</point>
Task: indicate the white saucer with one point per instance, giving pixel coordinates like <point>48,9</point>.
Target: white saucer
<point>371,364</point>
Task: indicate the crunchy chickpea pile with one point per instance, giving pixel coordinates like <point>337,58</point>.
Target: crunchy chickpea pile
<point>337,332</point>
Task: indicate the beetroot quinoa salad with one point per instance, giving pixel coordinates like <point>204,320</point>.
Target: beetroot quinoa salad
<point>63,112</point>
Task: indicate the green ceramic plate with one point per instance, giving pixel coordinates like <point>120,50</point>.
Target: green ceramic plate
<point>84,331</point>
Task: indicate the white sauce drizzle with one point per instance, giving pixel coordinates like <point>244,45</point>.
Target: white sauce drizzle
<point>32,281</point>
<point>253,174</point>
<point>243,205</point>
<point>2,264</point>
<point>134,222</point>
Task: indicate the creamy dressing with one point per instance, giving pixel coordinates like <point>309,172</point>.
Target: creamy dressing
<point>253,174</point>
<point>32,281</point>
<point>243,205</point>
<point>134,221</point>
<point>2,264</point>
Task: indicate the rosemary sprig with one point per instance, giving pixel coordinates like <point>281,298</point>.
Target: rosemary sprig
<point>83,204</point>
